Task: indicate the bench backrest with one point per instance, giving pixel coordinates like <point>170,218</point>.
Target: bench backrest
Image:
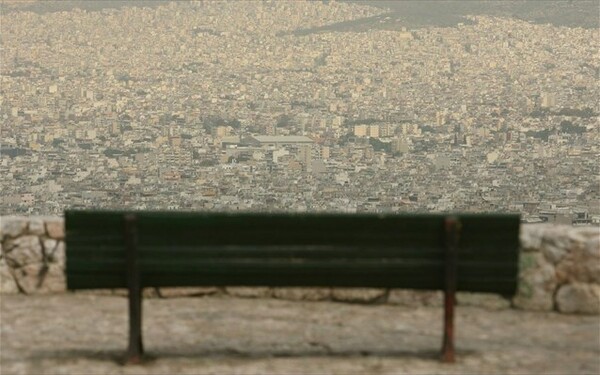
<point>217,249</point>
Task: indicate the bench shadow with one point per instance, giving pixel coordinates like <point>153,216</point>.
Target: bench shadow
<point>118,356</point>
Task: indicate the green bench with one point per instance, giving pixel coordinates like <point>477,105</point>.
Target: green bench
<point>134,250</point>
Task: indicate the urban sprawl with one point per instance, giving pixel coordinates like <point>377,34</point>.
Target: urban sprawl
<point>252,106</point>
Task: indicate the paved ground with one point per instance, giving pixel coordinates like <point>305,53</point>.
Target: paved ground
<point>86,334</point>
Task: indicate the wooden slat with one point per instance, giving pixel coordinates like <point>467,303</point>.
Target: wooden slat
<point>316,252</point>
<point>291,230</point>
<point>113,265</point>
<point>187,253</point>
<point>395,273</point>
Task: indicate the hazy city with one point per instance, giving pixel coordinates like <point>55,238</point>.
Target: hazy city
<point>282,106</point>
<point>299,187</point>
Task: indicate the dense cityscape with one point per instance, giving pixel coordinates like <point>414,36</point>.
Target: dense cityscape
<point>253,106</point>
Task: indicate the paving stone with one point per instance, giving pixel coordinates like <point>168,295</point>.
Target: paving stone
<point>225,335</point>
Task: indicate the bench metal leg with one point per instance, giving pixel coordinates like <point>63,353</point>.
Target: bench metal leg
<point>448,343</point>
<point>452,229</point>
<point>136,348</point>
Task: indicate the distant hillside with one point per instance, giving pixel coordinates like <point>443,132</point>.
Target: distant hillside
<point>403,13</point>
<point>49,6</point>
<point>573,13</point>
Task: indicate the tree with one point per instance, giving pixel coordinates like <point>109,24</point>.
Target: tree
<point>567,126</point>
<point>283,121</point>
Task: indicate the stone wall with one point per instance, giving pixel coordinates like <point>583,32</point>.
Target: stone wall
<point>32,255</point>
<point>559,271</point>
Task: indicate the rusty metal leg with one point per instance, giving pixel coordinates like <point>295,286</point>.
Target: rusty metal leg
<point>452,228</point>
<point>448,343</point>
<point>135,349</point>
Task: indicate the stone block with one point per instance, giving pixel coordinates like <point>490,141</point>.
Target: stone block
<point>415,298</point>
<point>249,292</point>
<point>537,283</point>
<point>53,280</point>
<point>531,236</point>
<point>49,245</point>
<point>56,229</point>
<point>302,294</point>
<point>58,254</point>
<point>54,251</point>
<point>7,245</point>
<point>556,243</point>
<point>29,277</point>
<point>358,295</point>
<point>485,300</point>
<point>95,292</point>
<point>583,234</point>
<point>579,298</point>
<point>8,285</point>
<point>36,226</point>
<point>24,250</point>
<point>13,226</point>
<point>592,247</point>
<point>578,266</point>
<point>121,292</point>
<point>150,293</point>
<point>118,292</point>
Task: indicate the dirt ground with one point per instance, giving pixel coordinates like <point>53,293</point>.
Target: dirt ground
<point>87,334</point>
